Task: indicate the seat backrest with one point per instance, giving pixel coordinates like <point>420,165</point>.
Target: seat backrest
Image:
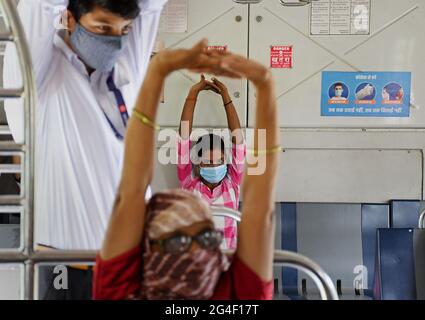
<point>374,216</point>
<point>395,275</point>
<point>330,234</point>
<point>405,213</point>
<point>286,239</point>
<point>419,252</point>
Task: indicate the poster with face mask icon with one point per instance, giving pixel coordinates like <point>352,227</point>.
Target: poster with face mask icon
<point>365,94</point>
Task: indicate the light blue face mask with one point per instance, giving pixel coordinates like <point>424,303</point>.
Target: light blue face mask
<point>214,174</point>
<point>97,51</point>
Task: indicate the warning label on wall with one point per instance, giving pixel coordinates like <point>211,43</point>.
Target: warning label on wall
<point>281,57</point>
<point>218,48</point>
<point>340,17</point>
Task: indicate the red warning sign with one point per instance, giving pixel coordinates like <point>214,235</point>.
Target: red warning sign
<point>281,57</point>
<point>218,48</point>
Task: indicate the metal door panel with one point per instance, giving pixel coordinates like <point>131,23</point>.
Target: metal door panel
<point>395,44</point>
<point>217,22</point>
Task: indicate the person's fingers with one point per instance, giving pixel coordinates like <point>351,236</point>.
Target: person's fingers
<point>213,86</point>
<point>199,48</point>
<point>236,63</point>
<point>207,63</point>
<point>213,89</point>
<point>229,68</point>
<point>212,65</point>
<point>244,67</point>
<point>216,53</point>
<point>218,82</point>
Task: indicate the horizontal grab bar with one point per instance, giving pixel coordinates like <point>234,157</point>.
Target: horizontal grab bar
<point>11,93</point>
<point>4,130</point>
<point>10,168</point>
<point>218,211</point>
<point>6,36</point>
<point>284,258</point>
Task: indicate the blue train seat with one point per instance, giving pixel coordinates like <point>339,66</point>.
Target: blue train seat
<point>400,264</point>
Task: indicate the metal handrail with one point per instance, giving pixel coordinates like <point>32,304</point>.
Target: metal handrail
<point>283,258</point>
<point>28,92</point>
<point>6,37</point>
<point>10,168</point>
<point>319,276</point>
<point>5,130</point>
<point>218,211</point>
<point>11,93</point>
<point>52,256</point>
<point>247,1</point>
<point>300,3</point>
<point>291,259</point>
<point>421,224</point>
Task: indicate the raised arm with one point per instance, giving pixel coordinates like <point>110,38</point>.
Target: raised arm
<point>186,121</point>
<point>256,231</point>
<point>125,230</point>
<point>142,37</point>
<point>40,20</point>
<point>232,116</point>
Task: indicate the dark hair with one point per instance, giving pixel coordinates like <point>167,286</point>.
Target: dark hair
<point>338,84</point>
<point>127,9</point>
<point>210,142</point>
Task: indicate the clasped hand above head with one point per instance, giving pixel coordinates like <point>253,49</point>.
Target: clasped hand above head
<point>199,59</point>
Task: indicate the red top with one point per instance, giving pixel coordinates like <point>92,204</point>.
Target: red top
<point>120,278</point>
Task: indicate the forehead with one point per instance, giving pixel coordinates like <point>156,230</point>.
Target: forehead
<point>214,154</point>
<point>100,15</point>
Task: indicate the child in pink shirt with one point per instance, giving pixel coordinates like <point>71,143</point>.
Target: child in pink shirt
<point>202,169</point>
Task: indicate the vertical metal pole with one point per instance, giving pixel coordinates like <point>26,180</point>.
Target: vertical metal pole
<point>29,280</point>
<point>27,222</point>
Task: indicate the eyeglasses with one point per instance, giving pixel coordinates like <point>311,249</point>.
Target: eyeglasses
<point>207,239</point>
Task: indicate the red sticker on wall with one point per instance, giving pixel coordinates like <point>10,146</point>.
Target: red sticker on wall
<point>281,57</point>
<point>218,48</point>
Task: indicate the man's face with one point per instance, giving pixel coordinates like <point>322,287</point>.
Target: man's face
<point>102,22</point>
<point>338,91</point>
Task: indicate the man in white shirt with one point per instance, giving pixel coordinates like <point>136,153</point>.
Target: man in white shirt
<point>88,75</point>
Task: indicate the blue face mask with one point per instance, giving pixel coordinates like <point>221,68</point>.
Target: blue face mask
<point>214,174</point>
<point>97,51</point>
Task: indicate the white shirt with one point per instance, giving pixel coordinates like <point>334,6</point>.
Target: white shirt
<point>338,98</point>
<point>78,158</point>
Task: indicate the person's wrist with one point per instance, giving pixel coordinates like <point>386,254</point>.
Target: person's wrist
<point>193,94</point>
<point>265,82</point>
<point>226,97</point>
<point>159,67</point>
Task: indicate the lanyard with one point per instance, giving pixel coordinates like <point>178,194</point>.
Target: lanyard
<point>122,108</point>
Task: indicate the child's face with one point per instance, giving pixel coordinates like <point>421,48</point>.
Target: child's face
<point>212,158</point>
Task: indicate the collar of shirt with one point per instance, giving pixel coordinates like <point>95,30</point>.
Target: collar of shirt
<point>121,71</point>
<point>215,193</point>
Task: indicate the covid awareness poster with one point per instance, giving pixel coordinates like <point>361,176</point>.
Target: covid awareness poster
<point>365,94</point>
